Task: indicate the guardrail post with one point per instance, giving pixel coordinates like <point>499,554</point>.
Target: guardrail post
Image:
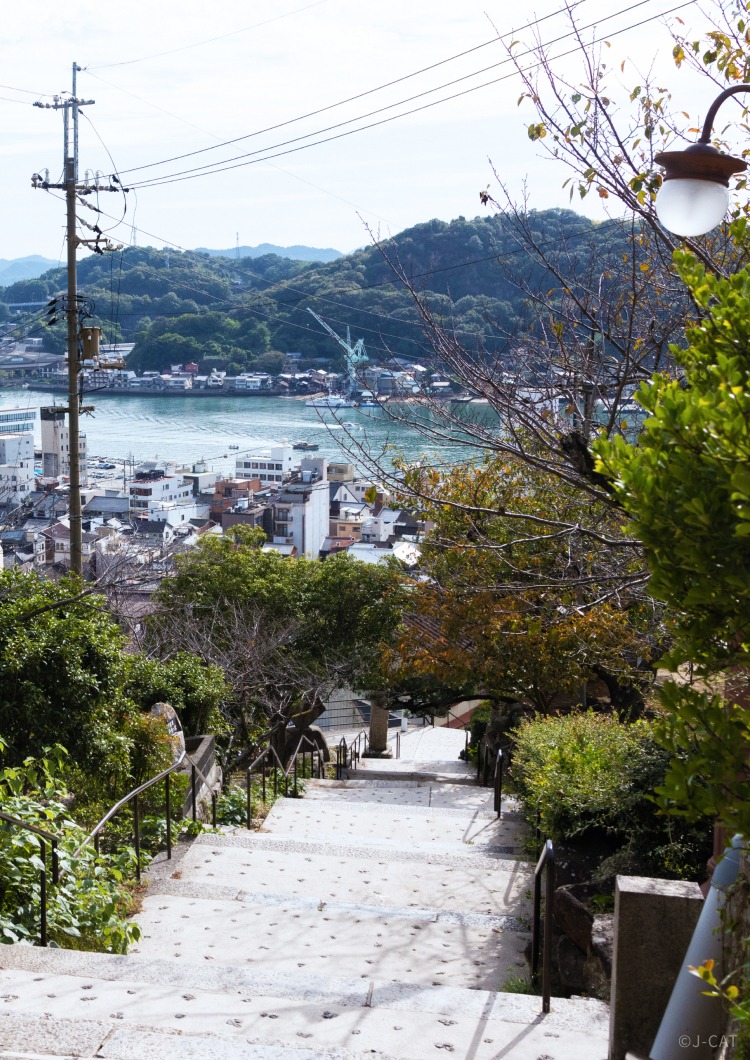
<point>264,781</point>
<point>192,787</point>
<point>249,803</point>
<point>213,810</point>
<point>167,799</point>
<point>296,793</point>
<point>137,826</point>
<point>546,861</point>
<point>499,782</point>
<point>55,863</point>
<point>43,891</point>
<point>548,928</point>
<point>96,844</point>
<point>479,761</point>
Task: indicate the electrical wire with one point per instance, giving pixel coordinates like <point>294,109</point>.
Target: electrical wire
<point>359,95</point>
<point>295,176</point>
<point>223,167</point>
<point>210,40</point>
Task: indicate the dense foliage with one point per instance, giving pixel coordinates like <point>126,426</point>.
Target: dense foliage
<point>66,678</point>
<point>87,908</point>
<point>218,312</point>
<point>686,487</point>
<point>595,776</point>
<point>497,609</point>
<point>341,609</point>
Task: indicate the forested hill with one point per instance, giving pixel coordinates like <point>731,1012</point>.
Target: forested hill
<point>186,306</point>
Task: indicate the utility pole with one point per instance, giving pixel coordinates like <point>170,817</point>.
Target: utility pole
<point>71,179</point>
<point>70,304</point>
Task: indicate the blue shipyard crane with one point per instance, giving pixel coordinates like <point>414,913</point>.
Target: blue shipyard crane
<point>353,355</point>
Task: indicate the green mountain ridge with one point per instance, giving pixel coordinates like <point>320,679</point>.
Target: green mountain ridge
<point>229,313</point>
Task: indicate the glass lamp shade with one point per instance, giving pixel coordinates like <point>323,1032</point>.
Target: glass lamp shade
<point>690,207</point>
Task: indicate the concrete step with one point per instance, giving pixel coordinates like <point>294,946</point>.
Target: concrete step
<point>420,854</point>
<point>280,934</point>
<point>373,880</point>
<point>382,769</point>
<point>415,827</point>
<point>141,1009</point>
<point>466,797</point>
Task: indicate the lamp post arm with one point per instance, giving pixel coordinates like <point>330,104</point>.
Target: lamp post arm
<point>714,108</point>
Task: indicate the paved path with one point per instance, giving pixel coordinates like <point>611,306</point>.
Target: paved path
<point>377,915</point>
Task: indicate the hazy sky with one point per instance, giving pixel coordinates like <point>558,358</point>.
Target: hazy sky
<point>151,106</point>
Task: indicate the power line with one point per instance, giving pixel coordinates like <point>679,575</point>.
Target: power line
<point>210,40</point>
<point>222,167</point>
<point>295,176</point>
<point>360,95</point>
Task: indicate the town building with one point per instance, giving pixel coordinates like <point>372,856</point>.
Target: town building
<point>273,465</point>
<point>56,445</point>
<point>157,483</point>
<point>17,420</point>
<point>230,492</point>
<point>340,472</point>
<point>16,466</point>
<point>300,509</point>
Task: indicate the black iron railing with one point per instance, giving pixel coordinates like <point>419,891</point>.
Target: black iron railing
<point>499,782</point>
<point>44,838</point>
<point>133,797</point>
<point>546,862</point>
<point>270,756</point>
<point>94,836</point>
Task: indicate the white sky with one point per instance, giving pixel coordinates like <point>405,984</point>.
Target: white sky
<point>428,164</point>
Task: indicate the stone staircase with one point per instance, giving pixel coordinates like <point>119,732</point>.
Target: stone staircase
<point>378,915</point>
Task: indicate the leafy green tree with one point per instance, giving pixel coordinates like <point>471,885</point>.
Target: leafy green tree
<point>686,487</point>
<point>65,678</point>
<point>285,632</point>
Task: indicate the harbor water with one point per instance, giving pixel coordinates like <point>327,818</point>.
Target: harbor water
<point>187,429</point>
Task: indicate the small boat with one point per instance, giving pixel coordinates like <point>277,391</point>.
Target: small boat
<point>328,401</point>
<point>352,426</point>
<point>234,447</point>
<point>307,446</point>
<point>369,403</point>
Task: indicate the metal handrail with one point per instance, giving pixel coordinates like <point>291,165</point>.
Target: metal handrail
<point>48,837</point>
<point>499,782</point>
<point>347,757</point>
<point>165,774</point>
<point>314,750</point>
<point>547,860</point>
<point>44,838</point>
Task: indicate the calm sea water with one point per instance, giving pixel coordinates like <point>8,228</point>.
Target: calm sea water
<point>188,429</point>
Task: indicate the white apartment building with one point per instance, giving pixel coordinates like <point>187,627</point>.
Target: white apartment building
<point>380,526</point>
<point>17,420</point>
<point>16,465</point>
<point>56,445</point>
<point>253,381</point>
<point>271,466</point>
<point>157,483</point>
<point>300,509</point>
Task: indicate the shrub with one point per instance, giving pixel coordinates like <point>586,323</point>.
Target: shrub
<point>87,908</point>
<point>231,807</point>
<point>596,775</point>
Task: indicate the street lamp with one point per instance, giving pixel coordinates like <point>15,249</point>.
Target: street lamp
<point>694,196</point>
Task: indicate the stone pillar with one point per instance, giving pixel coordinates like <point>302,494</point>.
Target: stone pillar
<point>379,726</point>
<point>654,923</point>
